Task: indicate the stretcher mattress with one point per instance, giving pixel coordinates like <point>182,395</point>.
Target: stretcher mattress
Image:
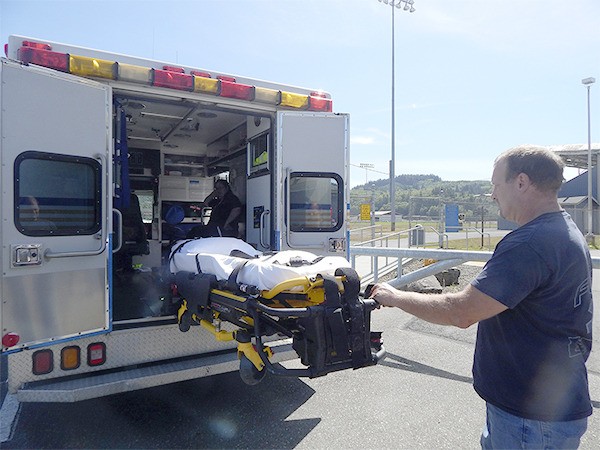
<point>264,271</point>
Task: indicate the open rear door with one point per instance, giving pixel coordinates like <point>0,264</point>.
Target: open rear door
<point>313,152</point>
<point>56,135</point>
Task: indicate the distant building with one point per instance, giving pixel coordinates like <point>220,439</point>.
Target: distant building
<point>572,197</point>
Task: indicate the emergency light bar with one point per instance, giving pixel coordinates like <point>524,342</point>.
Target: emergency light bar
<point>169,77</point>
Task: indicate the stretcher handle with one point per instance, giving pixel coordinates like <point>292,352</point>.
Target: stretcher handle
<point>303,282</point>
<point>281,312</point>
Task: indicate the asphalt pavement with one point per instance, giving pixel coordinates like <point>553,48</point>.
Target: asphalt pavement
<point>419,397</point>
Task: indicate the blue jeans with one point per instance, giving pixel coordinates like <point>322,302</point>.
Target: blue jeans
<point>506,431</point>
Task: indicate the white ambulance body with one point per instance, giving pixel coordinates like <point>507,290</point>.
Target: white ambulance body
<point>88,135</point>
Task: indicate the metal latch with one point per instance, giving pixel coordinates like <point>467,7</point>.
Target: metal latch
<point>26,255</point>
<point>337,244</point>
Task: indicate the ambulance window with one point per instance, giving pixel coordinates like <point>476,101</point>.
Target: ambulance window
<point>316,202</point>
<point>258,149</point>
<point>57,195</point>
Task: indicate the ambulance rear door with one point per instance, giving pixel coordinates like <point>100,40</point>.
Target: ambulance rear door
<point>56,136</point>
<point>312,153</point>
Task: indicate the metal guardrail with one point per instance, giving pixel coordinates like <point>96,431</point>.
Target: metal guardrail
<point>445,259</point>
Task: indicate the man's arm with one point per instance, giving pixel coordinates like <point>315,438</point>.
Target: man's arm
<point>232,217</point>
<point>461,309</point>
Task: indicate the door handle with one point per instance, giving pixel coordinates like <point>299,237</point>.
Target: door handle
<point>263,215</point>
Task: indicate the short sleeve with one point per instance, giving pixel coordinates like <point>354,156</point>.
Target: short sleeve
<point>512,274</point>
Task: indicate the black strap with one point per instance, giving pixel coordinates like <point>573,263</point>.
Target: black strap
<point>197,263</point>
<point>232,284</point>
<point>358,324</point>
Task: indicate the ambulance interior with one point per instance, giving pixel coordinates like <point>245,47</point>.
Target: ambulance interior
<point>168,155</point>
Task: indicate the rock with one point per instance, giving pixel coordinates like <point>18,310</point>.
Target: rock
<point>427,285</point>
<point>448,277</point>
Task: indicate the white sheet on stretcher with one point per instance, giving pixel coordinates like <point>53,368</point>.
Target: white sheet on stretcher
<point>264,271</point>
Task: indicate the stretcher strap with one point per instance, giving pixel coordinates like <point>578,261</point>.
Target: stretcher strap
<point>232,284</point>
<point>335,326</point>
<point>359,325</point>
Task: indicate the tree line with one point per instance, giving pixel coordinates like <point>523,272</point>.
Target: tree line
<point>425,195</point>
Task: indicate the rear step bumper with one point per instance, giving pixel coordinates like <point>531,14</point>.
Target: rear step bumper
<point>100,385</point>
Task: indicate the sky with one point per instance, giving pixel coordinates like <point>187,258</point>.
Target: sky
<point>472,77</point>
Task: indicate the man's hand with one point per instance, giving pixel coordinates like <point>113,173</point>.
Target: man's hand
<point>384,294</point>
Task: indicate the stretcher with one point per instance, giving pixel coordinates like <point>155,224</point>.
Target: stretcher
<point>315,301</point>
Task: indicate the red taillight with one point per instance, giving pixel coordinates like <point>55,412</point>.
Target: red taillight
<point>173,80</point>
<point>6,50</point>
<point>38,45</point>
<point>46,58</point>
<point>43,362</point>
<point>236,90</point>
<point>10,339</point>
<point>320,104</point>
<point>96,354</point>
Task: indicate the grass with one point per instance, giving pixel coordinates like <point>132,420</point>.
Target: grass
<point>384,228</point>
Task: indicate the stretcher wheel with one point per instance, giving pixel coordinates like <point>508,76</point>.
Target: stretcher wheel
<point>249,373</point>
<point>185,321</point>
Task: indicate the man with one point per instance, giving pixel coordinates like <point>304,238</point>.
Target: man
<point>533,302</point>
<point>226,209</point>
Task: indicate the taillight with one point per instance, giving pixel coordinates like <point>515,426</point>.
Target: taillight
<point>96,354</point>
<point>43,362</point>
<point>70,358</point>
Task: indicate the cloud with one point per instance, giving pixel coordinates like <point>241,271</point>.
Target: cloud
<point>362,140</point>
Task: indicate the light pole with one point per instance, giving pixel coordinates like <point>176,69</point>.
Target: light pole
<point>587,82</point>
<point>408,6</point>
<point>366,166</point>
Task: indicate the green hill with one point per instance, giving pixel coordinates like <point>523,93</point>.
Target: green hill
<point>424,194</point>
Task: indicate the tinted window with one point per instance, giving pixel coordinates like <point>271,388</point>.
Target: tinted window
<point>316,202</point>
<point>57,194</point>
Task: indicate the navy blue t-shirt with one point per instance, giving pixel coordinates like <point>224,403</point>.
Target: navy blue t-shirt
<point>530,359</point>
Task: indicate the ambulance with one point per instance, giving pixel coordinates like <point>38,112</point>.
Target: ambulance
<point>106,162</point>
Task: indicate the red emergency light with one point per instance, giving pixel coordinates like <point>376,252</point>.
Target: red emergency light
<point>46,58</point>
<point>37,45</point>
<point>174,69</point>
<point>320,104</point>
<point>172,80</point>
<point>236,90</point>
<point>197,73</point>
<point>226,78</point>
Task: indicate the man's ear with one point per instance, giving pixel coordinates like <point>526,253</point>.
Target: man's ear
<point>523,181</point>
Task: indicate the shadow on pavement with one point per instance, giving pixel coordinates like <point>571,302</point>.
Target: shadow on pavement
<point>213,412</point>
<point>399,362</point>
